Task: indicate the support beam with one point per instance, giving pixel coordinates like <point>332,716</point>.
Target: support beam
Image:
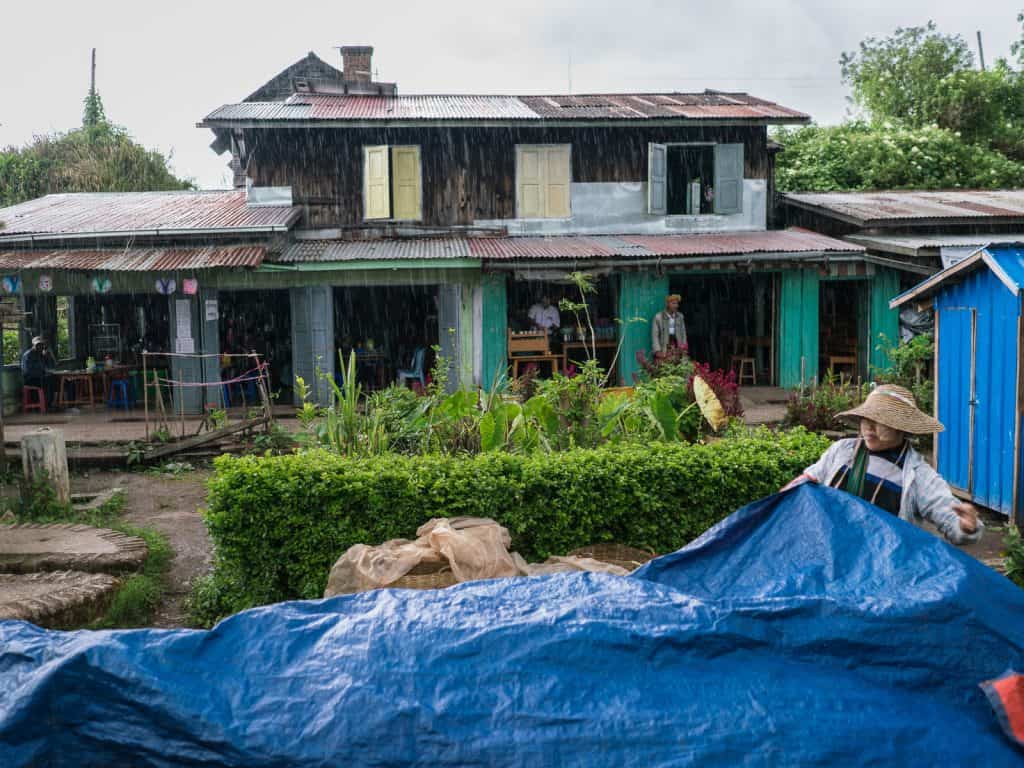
<point>885,285</point>
<point>641,297</point>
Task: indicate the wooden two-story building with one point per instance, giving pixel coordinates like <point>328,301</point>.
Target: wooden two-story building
<point>410,220</point>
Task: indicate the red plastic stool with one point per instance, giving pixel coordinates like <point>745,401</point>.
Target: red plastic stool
<point>33,399</point>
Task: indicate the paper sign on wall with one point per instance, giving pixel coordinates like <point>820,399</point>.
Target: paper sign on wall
<point>45,283</point>
<point>185,346</point>
<point>211,309</point>
<point>190,286</point>
<point>183,319</point>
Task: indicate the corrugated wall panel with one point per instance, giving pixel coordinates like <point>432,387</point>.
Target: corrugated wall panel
<point>883,321</point>
<point>495,330</point>
<point>996,310</point>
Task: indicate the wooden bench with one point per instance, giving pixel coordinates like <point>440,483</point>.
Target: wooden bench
<point>530,347</point>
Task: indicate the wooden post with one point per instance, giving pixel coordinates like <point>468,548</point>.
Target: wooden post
<point>145,393</point>
<point>44,455</point>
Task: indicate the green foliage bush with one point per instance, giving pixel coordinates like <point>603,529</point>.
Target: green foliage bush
<point>278,523</point>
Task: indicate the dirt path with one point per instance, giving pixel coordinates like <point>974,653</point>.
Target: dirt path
<point>171,505</point>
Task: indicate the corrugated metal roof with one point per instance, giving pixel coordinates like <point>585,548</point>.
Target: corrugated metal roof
<point>568,247</point>
<point>709,105</point>
<point>135,259</point>
<point>116,212</point>
<point>866,208</point>
<point>913,244</point>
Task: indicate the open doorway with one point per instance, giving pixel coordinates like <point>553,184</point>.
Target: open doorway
<point>253,321</point>
<point>842,327</point>
<point>533,305</point>
<point>386,326</point>
<point>729,318</point>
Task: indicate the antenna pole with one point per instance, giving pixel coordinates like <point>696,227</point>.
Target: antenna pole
<point>570,71</point>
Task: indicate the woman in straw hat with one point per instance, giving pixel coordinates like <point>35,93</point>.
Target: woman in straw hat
<point>882,467</point>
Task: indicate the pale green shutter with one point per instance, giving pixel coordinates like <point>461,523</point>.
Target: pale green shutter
<point>728,178</point>
<point>657,179</point>
<point>405,172</point>
<point>558,179</point>
<point>530,173</point>
<point>376,189</point>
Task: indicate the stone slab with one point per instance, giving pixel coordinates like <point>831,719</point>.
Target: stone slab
<point>57,599</point>
<point>68,547</point>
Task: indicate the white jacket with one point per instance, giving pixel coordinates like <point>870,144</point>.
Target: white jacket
<point>925,494</point>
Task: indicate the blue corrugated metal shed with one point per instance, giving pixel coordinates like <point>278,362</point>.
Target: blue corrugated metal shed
<point>978,365</point>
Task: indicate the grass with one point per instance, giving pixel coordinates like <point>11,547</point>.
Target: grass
<point>140,594</point>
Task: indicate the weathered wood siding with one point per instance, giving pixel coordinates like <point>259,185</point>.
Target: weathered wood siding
<point>468,173</point>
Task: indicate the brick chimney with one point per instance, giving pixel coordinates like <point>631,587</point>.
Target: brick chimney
<point>355,63</point>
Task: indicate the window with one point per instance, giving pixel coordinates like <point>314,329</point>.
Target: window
<point>392,183</point>
<point>693,179</point>
<point>542,181</point>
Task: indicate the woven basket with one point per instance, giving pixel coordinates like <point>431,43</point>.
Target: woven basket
<point>426,576</point>
<point>629,558</point>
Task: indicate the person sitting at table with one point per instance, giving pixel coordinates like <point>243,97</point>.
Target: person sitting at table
<point>668,329</point>
<point>544,315</point>
<point>36,363</point>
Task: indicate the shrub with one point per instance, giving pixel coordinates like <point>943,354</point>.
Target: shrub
<point>278,523</point>
<point>816,408</point>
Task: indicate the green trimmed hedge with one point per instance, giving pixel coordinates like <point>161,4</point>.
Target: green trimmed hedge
<point>278,523</point>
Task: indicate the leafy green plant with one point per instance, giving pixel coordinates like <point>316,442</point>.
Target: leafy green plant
<point>135,453</point>
<point>217,417</point>
<point>275,439</point>
<point>162,435</point>
<point>39,503</point>
<point>1014,555</point>
<point>140,595</point>
<point>909,366</point>
<point>816,407</point>
<point>278,523</point>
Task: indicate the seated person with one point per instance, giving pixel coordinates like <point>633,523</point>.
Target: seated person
<point>544,315</point>
<point>36,363</point>
<point>882,467</point>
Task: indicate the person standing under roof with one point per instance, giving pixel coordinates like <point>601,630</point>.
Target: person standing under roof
<point>669,328</point>
<point>882,467</point>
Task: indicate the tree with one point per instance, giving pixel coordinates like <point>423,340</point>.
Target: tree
<point>862,156</point>
<point>897,76</point>
<point>98,157</point>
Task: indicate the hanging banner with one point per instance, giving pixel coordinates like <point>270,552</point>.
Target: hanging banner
<point>190,286</point>
<point>12,284</point>
<point>45,283</point>
<point>101,285</point>
<point>165,285</point>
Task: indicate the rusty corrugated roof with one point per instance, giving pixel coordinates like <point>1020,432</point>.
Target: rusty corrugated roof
<point>709,105</point>
<point>872,208</point>
<point>135,259</point>
<point>90,213</point>
<point>568,247</point>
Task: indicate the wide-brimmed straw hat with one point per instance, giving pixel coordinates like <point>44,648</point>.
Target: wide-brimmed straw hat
<point>896,408</point>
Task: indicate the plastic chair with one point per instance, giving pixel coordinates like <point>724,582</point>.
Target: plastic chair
<point>119,397</point>
<point>415,371</point>
<point>33,399</point>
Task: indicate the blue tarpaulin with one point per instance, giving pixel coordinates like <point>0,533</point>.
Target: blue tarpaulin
<point>807,628</point>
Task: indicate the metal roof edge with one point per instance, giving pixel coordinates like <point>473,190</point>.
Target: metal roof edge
<point>462,122</point>
<point>34,237</point>
<point>926,286</point>
<point>369,264</point>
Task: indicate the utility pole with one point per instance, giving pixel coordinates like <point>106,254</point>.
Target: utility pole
<point>981,52</point>
<point>92,77</point>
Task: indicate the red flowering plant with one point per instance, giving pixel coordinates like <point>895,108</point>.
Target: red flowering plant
<point>724,385</point>
<point>676,362</point>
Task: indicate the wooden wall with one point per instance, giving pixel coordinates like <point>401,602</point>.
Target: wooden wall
<point>468,173</point>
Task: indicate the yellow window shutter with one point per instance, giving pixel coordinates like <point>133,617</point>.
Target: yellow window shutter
<point>557,178</point>
<point>530,169</point>
<point>376,193</point>
<point>405,164</point>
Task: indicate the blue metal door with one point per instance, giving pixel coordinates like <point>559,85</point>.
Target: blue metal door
<point>956,379</point>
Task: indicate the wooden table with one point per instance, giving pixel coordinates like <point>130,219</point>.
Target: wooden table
<point>87,385</point>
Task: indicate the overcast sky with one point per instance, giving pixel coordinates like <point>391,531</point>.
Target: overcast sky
<point>163,65</point>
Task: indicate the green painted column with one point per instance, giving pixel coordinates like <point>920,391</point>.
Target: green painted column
<point>885,285</point>
<point>798,327</point>
<point>641,297</point>
<point>494,337</point>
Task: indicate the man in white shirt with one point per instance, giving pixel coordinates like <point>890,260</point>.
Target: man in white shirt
<point>544,315</point>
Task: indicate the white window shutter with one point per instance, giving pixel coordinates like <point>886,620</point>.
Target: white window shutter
<point>728,178</point>
<point>657,179</point>
<point>376,186</point>
<point>405,167</point>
